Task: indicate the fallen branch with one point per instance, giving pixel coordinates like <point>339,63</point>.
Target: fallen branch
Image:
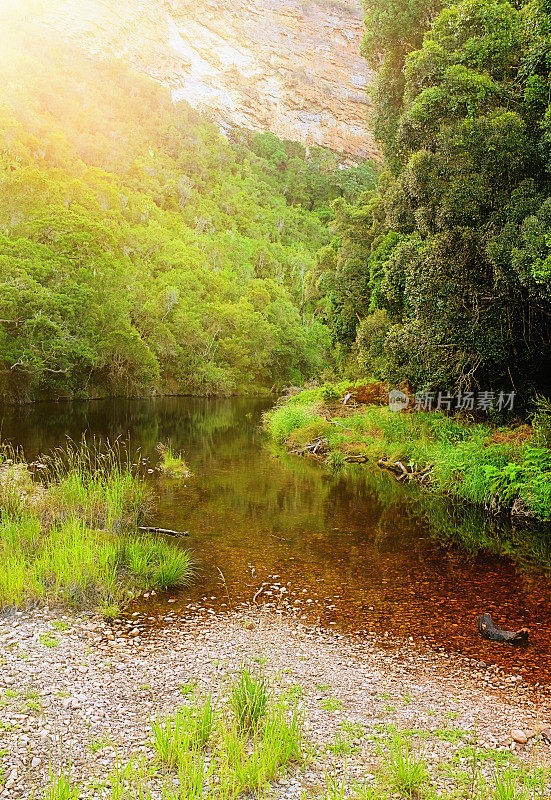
<point>406,473</point>
<point>166,531</point>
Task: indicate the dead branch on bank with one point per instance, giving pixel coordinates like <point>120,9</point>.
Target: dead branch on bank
<point>411,472</point>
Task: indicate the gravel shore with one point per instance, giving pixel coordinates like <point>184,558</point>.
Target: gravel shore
<point>81,693</point>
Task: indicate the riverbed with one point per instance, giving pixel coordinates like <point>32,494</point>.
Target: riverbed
<point>351,550</point>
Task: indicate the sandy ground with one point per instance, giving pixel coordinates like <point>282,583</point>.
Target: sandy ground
<point>69,684</point>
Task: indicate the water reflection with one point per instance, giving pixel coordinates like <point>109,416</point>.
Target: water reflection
<point>368,553</point>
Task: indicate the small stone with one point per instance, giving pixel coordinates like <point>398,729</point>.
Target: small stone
<point>518,736</point>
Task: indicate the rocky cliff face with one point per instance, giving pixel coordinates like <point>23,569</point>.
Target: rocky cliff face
<point>289,66</point>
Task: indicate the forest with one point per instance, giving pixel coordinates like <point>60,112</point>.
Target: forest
<point>142,251</point>
<point>441,277</point>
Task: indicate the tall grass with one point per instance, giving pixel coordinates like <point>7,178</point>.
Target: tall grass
<point>66,531</point>
<point>249,700</point>
<point>75,566</point>
<point>85,481</point>
<point>188,729</point>
<point>503,469</point>
<point>242,760</point>
<point>286,419</point>
<point>171,463</point>
<point>406,772</point>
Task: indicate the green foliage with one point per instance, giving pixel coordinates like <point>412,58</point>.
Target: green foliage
<point>286,419</point>
<point>475,462</point>
<point>61,787</point>
<point>249,700</point>
<point>406,771</point>
<point>541,421</point>
<point>188,729</point>
<point>140,249</point>
<point>443,276</point>
<point>242,759</point>
<point>159,564</point>
<point>172,464</point>
<point>330,394</point>
<point>60,537</point>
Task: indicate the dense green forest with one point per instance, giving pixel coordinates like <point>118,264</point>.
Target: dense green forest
<point>442,277</point>
<point>141,250</point>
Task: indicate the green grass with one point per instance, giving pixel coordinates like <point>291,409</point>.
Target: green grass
<point>331,704</point>
<point>188,729</point>
<point>61,788</point>
<point>476,462</point>
<point>172,464</point>
<point>48,641</point>
<point>353,730</point>
<point>249,699</point>
<point>66,537</point>
<point>405,771</point>
<point>243,758</point>
<point>60,625</point>
<point>225,762</point>
<point>99,743</point>
<point>342,746</point>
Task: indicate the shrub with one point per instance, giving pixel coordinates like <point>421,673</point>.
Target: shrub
<point>330,394</point>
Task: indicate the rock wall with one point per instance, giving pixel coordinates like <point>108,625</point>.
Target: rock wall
<point>287,66</point>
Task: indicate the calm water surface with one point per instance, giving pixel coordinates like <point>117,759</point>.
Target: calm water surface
<point>354,550</point>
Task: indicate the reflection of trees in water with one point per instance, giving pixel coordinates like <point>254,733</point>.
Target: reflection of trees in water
<point>239,482</point>
<point>189,422</point>
<point>356,538</point>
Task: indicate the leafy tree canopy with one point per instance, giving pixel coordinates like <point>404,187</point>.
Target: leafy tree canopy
<point>141,250</point>
<point>443,274</point>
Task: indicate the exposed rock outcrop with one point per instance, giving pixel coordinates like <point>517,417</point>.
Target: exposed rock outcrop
<point>282,65</point>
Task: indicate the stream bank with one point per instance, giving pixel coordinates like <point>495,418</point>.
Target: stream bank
<point>79,694</point>
<point>504,468</point>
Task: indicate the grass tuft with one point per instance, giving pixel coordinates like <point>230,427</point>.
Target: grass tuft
<point>172,464</point>
<point>406,772</point>
<point>249,700</point>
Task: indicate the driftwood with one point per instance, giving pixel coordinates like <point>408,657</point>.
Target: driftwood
<point>486,627</point>
<point>409,473</point>
<point>166,531</point>
<point>317,446</point>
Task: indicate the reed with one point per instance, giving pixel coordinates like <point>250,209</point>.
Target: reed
<point>67,531</point>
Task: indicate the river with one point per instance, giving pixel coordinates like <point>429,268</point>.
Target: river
<point>353,549</point>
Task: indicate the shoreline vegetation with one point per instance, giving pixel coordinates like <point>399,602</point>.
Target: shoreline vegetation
<point>503,468</point>
<point>68,531</point>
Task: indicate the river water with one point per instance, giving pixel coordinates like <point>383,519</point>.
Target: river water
<point>353,550</point>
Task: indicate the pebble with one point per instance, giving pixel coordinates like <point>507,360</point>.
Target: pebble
<point>127,684</point>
